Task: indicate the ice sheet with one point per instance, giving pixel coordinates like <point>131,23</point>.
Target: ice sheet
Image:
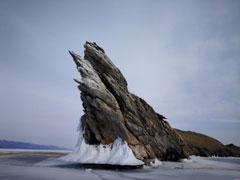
<point>28,167</point>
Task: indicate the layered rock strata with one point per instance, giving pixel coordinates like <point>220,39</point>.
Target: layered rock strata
<point>111,111</point>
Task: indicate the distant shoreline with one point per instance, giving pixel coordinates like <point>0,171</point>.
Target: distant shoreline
<point>5,151</point>
<point>6,144</point>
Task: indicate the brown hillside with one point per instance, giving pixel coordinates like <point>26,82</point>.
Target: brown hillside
<point>234,149</point>
<point>202,145</point>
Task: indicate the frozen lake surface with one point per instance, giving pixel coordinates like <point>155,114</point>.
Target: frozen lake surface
<point>46,165</point>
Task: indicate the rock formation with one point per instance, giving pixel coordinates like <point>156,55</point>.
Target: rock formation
<point>203,145</point>
<point>234,150</point>
<point>111,111</point>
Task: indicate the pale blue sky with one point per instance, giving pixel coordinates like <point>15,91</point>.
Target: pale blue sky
<point>182,57</point>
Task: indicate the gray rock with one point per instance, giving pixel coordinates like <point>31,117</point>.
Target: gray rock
<point>111,111</point>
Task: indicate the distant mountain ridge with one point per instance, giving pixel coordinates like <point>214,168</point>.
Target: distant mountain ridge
<point>23,145</point>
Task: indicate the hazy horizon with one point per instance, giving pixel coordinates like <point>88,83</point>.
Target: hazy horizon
<point>182,57</point>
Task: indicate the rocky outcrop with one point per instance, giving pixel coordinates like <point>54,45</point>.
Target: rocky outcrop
<point>234,150</point>
<point>111,111</point>
<point>203,145</point>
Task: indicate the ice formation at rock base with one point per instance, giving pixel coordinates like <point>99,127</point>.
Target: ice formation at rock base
<point>116,153</point>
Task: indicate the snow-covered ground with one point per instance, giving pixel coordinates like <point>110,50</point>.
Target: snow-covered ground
<point>50,166</point>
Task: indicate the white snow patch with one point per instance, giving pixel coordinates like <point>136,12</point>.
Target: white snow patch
<point>156,163</point>
<point>88,170</point>
<point>187,160</point>
<point>116,153</point>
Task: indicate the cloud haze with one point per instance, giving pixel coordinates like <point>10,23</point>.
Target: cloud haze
<point>182,57</point>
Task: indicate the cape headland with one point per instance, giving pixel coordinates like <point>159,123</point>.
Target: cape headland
<point>115,117</point>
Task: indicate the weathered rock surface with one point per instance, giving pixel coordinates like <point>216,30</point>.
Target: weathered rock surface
<point>111,111</point>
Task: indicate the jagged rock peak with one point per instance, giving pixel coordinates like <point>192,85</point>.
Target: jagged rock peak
<point>111,111</point>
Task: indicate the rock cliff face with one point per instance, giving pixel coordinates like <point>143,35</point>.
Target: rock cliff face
<point>111,111</point>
